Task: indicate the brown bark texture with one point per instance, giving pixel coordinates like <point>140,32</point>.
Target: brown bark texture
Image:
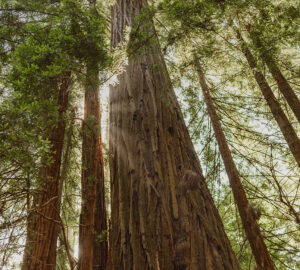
<point>163,216</point>
<point>43,222</point>
<point>100,259</point>
<point>254,236</point>
<point>279,115</point>
<point>92,229</point>
<point>283,84</point>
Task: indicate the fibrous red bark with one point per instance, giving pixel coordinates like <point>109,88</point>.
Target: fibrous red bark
<point>92,229</point>
<point>43,220</point>
<point>163,216</point>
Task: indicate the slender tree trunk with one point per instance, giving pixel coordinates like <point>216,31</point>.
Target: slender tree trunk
<point>43,220</point>
<point>66,159</point>
<point>65,258</point>
<point>163,216</point>
<point>100,234</point>
<point>255,238</point>
<point>93,214</point>
<point>279,115</point>
<point>281,81</point>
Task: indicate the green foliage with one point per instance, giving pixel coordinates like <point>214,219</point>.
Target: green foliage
<point>57,39</point>
<point>41,43</point>
<point>142,34</point>
<point>266,166</point>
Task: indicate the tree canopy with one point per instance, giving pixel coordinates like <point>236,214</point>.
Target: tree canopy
<point>44,42</point>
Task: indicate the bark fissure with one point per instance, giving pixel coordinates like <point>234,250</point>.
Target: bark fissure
<point>154,225</point>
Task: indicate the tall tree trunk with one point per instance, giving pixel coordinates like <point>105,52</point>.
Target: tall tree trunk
<point>43,220</point>
<point>255,238</point>
<point>281,81</point>
<point>100,234</point>
<point>279,115</point>
<point>93,214</point>
<point>163,216</point>
<point>64,243</point>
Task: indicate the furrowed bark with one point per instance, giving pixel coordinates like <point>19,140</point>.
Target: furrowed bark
<point>93,214</point>
<point>254,236</point>
<point>283,85</point>
<point>163,216</point>
<point>43,220</point>
<point>279,115</point>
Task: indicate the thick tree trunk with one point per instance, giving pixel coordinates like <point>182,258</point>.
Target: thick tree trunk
<point>281,81</point>
<point>93,213</point>
<point>43,221</point>
<point>163,216</point>
<point>255,238</point>
<point>279,115</point>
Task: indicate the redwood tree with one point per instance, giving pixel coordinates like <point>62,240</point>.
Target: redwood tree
<point>55,47</point>
<point>43,220</point>
<point>93,224</point>
<point>283,84</point>
<point>163,216</point>
<point>246,211</point>
<point>283,122</point>
<point>92,242</point>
